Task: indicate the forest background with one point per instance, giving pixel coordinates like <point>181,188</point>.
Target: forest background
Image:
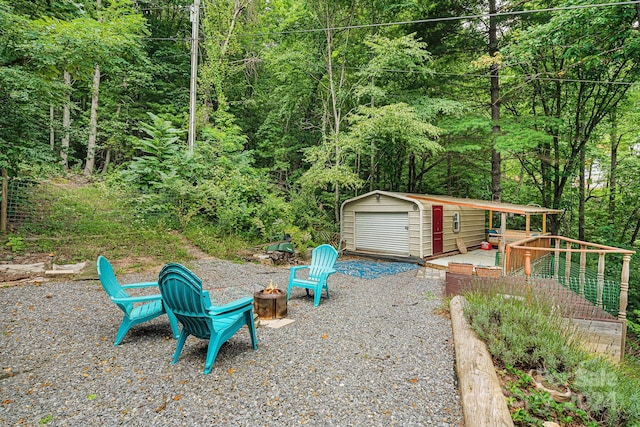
<point>302,104</point>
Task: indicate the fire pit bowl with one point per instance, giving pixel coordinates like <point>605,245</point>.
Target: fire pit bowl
<point>270,303</point>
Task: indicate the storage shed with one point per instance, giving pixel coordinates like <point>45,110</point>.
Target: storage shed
<point>421,226</point>
<point>407,225</point>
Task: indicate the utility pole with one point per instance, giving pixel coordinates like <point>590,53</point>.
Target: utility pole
<point>496,160</point>
<point>195,22</point>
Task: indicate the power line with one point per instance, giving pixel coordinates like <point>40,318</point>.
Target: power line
<point>551,79</point>
<point>171,39</point>
<point>446,18</point>
<point>421,21</point>
<point>486,76</point>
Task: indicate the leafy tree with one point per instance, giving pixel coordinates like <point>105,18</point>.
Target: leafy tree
<point>156,165</point>
<point>569,61</point>
<point>23,95</point>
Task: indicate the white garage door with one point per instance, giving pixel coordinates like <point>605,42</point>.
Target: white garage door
<point>384,232</point>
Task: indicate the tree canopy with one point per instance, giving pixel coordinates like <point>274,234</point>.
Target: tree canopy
<point>328,99</point>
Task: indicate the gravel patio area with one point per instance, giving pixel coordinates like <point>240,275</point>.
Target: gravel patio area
<point>378,353</point>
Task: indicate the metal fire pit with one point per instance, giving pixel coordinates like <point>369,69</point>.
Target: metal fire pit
<point>270,306</point>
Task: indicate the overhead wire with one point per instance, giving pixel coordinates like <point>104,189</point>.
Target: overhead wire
<point>430,20</point>
<point>446,18</point>
<point>503,76</point>
<point>443,19</point>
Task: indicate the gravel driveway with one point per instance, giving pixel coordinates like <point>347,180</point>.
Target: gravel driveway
<point>376,354</point>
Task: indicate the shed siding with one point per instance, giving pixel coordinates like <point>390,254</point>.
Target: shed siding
<point>348,230</point>
<point>414,233</point>
<point>427,248</point>
<point>472,227</point>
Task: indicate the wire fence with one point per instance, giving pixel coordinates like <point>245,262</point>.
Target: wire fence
<point>19,200</point>
<point>583,284</point>
<point>582,279</point>
<point>47,210</point>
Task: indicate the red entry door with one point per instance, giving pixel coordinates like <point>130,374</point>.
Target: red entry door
<point>436,229</point>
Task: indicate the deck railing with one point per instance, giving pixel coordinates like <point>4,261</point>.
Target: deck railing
<point>575,265</point>
<point>575,273</point>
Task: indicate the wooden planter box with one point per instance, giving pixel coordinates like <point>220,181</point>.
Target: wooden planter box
<point>489,271</point>
<point>460,268</point>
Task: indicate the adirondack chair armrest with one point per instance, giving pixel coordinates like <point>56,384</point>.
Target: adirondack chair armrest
<point>238,304</point>
<point>140,285</point>
<point>294,270</point>
<point>143,298</point>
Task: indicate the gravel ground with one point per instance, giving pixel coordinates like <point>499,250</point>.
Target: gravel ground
<point>376,354</point>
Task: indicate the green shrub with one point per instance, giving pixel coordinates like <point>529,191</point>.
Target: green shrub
<point>528,335</point>
<point>524,334</point>
<point>16,244</point>
<point>610,393</point>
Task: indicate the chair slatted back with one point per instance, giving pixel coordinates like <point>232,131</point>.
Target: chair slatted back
<point>323,258</point>
<point>111,285</point>
<point>183,295</point>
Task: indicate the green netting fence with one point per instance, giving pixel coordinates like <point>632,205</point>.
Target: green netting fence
<point>584,284</point>
<point>583,279</point>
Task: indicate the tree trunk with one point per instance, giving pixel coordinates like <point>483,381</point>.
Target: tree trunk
<point>496,190</point>
<point>615,142</point>
<point>93,119</point>
<point>66,122</point>
<point>107,160</point>
<point>634,237</point>
<point>449,175</point>
<point>336,112</point>
<point>52,133</point>
<point>93,123</point>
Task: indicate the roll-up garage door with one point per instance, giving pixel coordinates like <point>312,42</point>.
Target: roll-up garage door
<point>383,232</point>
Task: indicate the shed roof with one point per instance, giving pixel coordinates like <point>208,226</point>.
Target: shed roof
<point>470,203</point>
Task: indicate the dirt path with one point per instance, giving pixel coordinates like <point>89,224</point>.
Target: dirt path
<point>192,249</point>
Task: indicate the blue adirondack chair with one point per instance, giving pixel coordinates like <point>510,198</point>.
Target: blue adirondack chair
<point>183,296</point>
<point>137,309</point>
<point>323,258</point>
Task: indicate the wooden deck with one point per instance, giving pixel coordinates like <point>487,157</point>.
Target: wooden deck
<point>602,337</point>
<point>477,257</point>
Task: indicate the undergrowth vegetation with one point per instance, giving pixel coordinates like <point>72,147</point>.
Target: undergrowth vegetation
<point>76,223</point>
<point>527,339</point>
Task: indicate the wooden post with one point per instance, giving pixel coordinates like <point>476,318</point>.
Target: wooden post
<point>567,266</point>
<point>600,285</point>
<point>583,268</point>
<point>556,260</point>
<point>490,220</point>
<point>527,265</point>
<point>527,225</point>
<point>506,260</point>
<point>5,201</point>
<point>544,223</point>
<point>624,299</point>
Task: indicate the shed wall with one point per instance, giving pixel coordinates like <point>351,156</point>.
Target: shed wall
<point>472,227</point>
<point>472,223</point>
<point>427,245</point>
<point>384,204</point>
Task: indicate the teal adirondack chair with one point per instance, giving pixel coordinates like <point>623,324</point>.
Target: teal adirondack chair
<point>137,309</point>
<point>183,296</point>
<point>323,258</point>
